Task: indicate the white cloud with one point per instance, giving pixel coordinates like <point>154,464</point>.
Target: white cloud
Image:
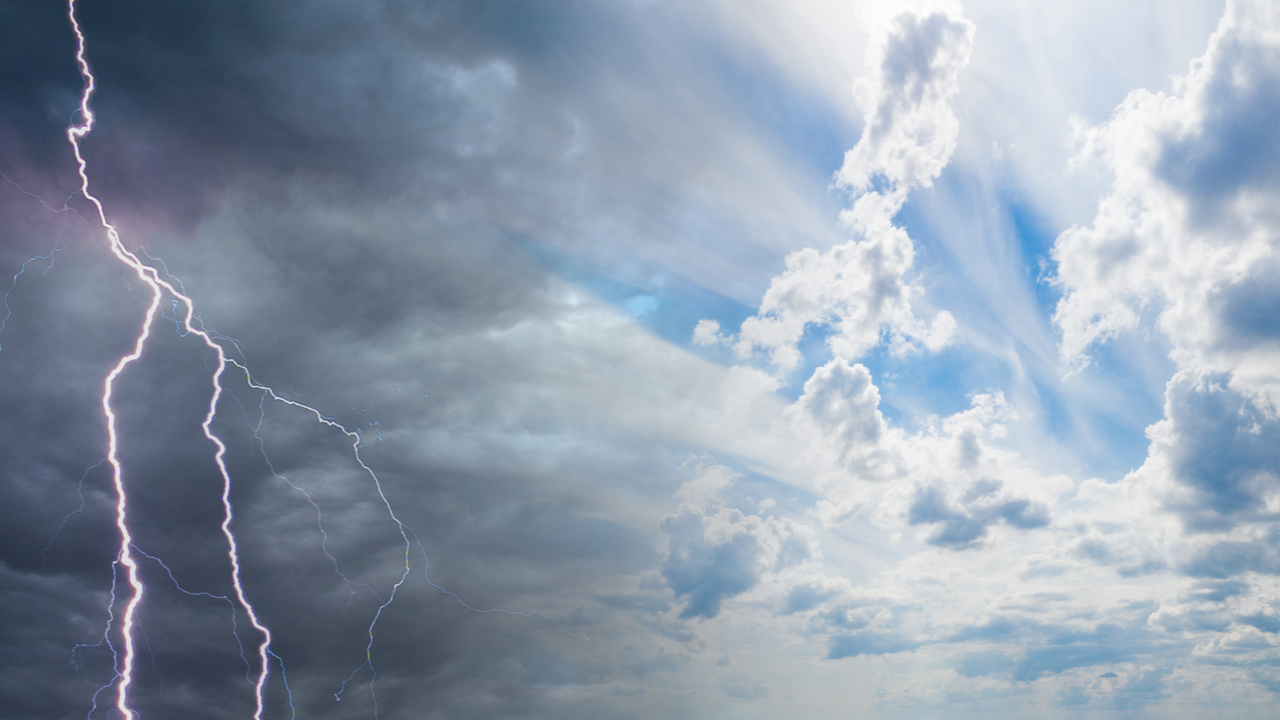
<point>707,333</point>
<point>840,412</point>
<point>1213,458</point>
<point>952,477</point>
<point>860,287</point>
<point>1189,236</point>
<point>911,132</point>
<point>716,551</point>
<point>1189,230</point>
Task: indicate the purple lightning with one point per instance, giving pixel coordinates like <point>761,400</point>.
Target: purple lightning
<point>147,272</point>
<point>159,288</point>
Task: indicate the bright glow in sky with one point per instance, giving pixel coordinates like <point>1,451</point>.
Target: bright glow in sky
<point>731,359</point>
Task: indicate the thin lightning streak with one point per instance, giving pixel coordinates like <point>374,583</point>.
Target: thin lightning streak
<point>155,667</point>
<point>8,311</point>
<point>235,632</point>
<point>47,206</point>
<point>334,422</point>
<point>426,575</point>
<point>404,530</point>
<point>159,287</point>
<point>44,558</point>
<point>105,640</point>
<point>324,534</point>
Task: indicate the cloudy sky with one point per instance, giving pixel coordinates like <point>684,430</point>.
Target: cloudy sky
<point>730,359</point>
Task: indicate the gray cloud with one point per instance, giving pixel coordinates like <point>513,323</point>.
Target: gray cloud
<point>1234,148</point>
<point>352,213</point>
<point>964,524</point>
<point>707,573</point>
<point>869,642</point>
<point>1219,449</point>
<point>1229,558</point>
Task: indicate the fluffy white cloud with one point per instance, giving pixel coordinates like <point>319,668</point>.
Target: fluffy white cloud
<point>1190,230</point>
<point>910,130</point>
<point>716,551</point>
<point>1213,458</point>
<point>840,412</point>
<point>952,477</point>
<point>993,550</point>
<point>1190,235</point>
<point>860,287</point>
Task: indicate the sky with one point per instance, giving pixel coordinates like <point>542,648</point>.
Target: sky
<point>727,359</point>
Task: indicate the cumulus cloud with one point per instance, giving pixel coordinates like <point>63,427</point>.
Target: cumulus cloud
<point>911,131</point>
<point>1188,232</point>
<point>840,411</point>
<point>1188,237</point>
<point>962,522</point>
<point>860,288</point>
<point>1214,458</point>
<point>947,476</point>
<point>715,551</point>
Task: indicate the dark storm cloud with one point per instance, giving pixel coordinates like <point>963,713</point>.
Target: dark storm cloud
<point>525,118</point>
<point>38,74</point>
<point>338,186</point>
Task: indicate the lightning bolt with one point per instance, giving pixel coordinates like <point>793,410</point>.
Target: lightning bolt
<point>156,277</point>
<point>159,289</point>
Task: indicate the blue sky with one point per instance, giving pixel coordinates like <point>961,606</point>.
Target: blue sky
<point>727,359</point>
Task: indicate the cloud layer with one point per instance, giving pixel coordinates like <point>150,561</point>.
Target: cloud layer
<point>710,375</point>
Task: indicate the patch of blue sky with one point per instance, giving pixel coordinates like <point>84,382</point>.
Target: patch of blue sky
<point>1120,396</point>
<point>1036,238</point>
<point>922,384</point>
<point>984,254</point>
<point>993,329</point>
<point>978,245</point>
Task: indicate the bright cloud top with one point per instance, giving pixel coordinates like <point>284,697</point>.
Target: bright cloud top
<point>859,287</point>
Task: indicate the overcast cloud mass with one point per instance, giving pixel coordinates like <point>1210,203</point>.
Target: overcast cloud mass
<point>730,359</point>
